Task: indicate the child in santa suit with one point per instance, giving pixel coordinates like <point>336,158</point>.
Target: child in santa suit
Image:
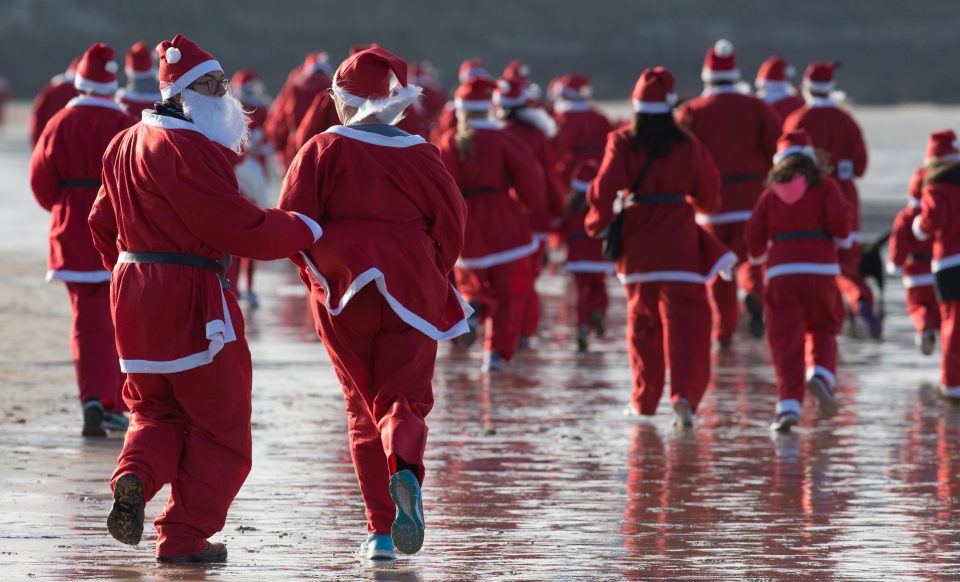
<point>794,231</point>
<point>65,176</point>
<point>581,129</point>
<point>773,86</point>
<point>668,174</point>
<point>910,258</point>
<point>502,182</point>
<point>143,86</point>
<point>740,131</point>
<point>378,281</point>
<point>939,221</point>
<point>167,214</point>
<point>585,260</point>
<point>839,142</point>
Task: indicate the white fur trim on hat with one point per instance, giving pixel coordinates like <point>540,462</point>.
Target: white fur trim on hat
<point>947,158</point>
<point>773,86</point>
<point>479,105</point>
<point>84,84</point>
<point>805,150</point>
<point>502,101</point>
<point>655,106</point>
<point>189,77</point>
<point>711,76</point>
<point>388,110</point>
<point>817,87</point>
<point>173,55</point>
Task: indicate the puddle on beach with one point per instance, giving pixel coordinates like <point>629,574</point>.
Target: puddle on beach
<point>533,474</point>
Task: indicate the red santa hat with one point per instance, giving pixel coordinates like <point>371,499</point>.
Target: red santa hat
<point>181,63</point>
<point>247,81</point>
<point>472,68</point>
<point>511,92</point>
<point>773,74</point>
<point>97,70</point>
<point>654,91</point>
<point>794,142</point>
<point>360,47</point>
<point>71,73</point>
<point>573,86</point>
<point>474,94</point>
<point>720,64</point>
<point>374,81</point>
<point>316,62</point>
<point>942,147</point>
<point>818,78</point>
<point>583,174</point>
<point>516,69</point>
<point>139,63</point>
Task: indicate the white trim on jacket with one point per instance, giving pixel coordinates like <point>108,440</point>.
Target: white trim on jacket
<point>500,258</point>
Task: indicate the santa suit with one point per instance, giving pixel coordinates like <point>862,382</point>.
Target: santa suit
<point>541,223</point>
<point>276,128</point>
<point>65,176</point>
<point>170,193</point>
<point>499,179</point>
<point>740,131</point>
<point>445,121</point>
<point>379,287</point>
<point>910,258</point>
<point>783,102</point>
<point>590,269</point>
<point>668,313</point>
<point>321,116</point>
<point>298,103</point>
<point>835,133</point>
<point>797,241</point>
<point>136,101</point>
<point>51,99</point>
<point>940,220</point>
<point>581,134</point>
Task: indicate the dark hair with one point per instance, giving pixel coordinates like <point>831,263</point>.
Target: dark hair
<point>788,168</point>
<point>656,133</point>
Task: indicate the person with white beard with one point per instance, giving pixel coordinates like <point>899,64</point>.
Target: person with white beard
<point>167,218</point>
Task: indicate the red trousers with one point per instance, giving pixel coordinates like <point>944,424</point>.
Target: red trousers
<point>852,284</point>
<point>591,293</point>
<point>94,346</point>
<point>385,368</point>
<point>502,292</point>
<point>804,314</point>
<point>922,308</point>
<point>192,430</point>
<point>950,347</point>
<point>724,299</point>
<point>531,308</point>
<point>668,322</point>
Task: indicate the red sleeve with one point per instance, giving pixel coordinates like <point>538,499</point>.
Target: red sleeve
<point>524,175</point>
<point>103,227</point>
<point>302,189</point>
<point>934,212</point>
<point>837,209</point>
<point>756,231</point>
<point>899,244</point>
<point>45,178</point>
<point>611,178</point>
<point>770,124</point>
<point>684,118</point>
<point>706,189</point>
<point>859,149</point>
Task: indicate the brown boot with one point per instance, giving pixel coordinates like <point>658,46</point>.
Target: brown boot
<point>213,553</point>
<point>126,518</point>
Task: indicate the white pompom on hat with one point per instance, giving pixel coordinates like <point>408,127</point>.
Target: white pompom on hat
<point>720,63</point>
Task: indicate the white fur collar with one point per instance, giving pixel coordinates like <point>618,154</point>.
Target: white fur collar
<point>564,106</point>
<point>400,141</point>
<point>92,101</point>
<point>154,119</point>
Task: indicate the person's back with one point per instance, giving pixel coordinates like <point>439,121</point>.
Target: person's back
<point>51,99</point>
<point>834,132</point>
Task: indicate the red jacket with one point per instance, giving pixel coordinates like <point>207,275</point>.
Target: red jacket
<point>65,176</point>
<point>136,102</point>
<point>392,216</point>
<point>168,188</point>
<point>500,179</point>
<point>835,133</point>
<point>584,253</point>
<point>321,116</point>
<point>51,99</point>
<point>661,240</point>
<point>553,193</point>
<point>276,128</point>
<point>581,134</point>
<point>801,237</point>
<point>740,131</point>
<point>908,256</point>
<point>783,103</point>
<point>940,218</point>
<point>296,106</point>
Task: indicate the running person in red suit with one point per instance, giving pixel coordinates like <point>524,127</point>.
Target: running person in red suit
<point>65,176</point>
<point>581,129</point>
<point>773,86</point>
<point>910,258</point>
<point>143,86</point>
<point>939,220</point>
<point>838,139</point>
<point>534,127</point>
<point>51,99</point>
<point>379,282</point>
<point>668,175</point>
<point>794,231</point>
<point>168,213</point>
<point>585,260</point>
<point>740,131</point>
<point>500,179</point>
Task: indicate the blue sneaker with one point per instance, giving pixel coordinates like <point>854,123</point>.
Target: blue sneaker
<point>492,362</point>
<point>407,530</point>
<point>870,319</point>
<point>378,547</point>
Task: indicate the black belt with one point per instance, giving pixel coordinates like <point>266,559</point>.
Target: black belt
<point>177,259</point>
<point>659,199</point>
<point>801,235</point>
<point>81,184</point>
<point>483,190</point>
<point>578,236</point>
<point>742,178</point>
<point>920,257</point>
<point>587,147</point>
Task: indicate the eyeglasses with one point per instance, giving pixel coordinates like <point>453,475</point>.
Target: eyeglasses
<point>213,85</point>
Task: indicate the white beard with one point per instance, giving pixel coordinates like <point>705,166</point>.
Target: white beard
<point>222,119</point>
<point>540,119</point>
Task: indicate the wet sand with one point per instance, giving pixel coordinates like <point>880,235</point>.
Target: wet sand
<point>533,474</point>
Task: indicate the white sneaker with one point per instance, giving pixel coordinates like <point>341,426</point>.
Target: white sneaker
<point>682,414</point>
